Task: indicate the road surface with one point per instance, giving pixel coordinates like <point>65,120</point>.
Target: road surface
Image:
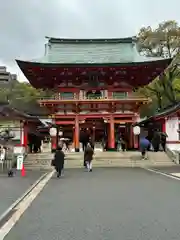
<point>13,188</point>
<point>107,204</point>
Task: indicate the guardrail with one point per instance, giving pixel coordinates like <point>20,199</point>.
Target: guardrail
<point>174,155</point>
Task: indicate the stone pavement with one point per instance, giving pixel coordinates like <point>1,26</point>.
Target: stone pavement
<point>13,188</point>
<point>109,203</point>
<point>101,159</point>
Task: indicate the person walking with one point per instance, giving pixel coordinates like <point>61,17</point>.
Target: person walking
<point>58,162</point>
<point>163,140</point>
<point>88,157</point>
<point>123,144</point>
<point>144,145</point>
<point>156,140</point>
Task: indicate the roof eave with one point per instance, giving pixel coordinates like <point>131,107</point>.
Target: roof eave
<point>19,62</point>
<point>91,40</point>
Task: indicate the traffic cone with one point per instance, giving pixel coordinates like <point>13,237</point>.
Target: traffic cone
<point>23,171</point>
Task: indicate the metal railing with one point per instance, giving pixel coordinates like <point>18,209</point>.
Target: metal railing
<point>174,155</point>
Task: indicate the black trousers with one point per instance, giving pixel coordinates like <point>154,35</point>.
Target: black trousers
<point>143,152</point>
<point>84,145</point>
<point>156,147</point>
<point>123,145</point>
<point>163,144</point>
<point>58,170</point>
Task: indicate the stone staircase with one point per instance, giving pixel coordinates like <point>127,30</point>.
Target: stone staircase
<point>101,159</point>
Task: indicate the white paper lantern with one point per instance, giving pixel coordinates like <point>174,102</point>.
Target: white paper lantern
<point>53,132</point>
<point>136,130</point>
<point>60,133</point>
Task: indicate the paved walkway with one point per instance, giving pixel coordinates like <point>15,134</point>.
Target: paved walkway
<point>13,188</point>
<point>109,203</point>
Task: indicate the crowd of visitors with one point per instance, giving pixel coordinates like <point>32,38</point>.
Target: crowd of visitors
<point>59,157</point>
<point>155,141</point>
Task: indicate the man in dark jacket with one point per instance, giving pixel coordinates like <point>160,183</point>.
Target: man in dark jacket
<point>163,140</point>
<point>59,161</point>
<point>156,140</point>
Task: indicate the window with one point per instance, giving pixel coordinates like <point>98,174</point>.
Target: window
<point>67,95</point>
<point>119,95</point>
<point>94,94</point>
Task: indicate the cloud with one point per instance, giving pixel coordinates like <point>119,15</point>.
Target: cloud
<point>24,24</point>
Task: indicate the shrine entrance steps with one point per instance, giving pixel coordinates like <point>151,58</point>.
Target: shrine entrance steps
<point>42,161</point>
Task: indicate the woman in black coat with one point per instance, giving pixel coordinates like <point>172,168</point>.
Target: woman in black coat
<point>88,157</point>
<point>59,161</point>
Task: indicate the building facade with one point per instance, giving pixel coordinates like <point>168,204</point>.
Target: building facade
<point>168,121</point>
<point>93,82</point>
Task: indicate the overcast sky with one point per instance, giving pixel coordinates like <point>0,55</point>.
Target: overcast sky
<point>25,23</point>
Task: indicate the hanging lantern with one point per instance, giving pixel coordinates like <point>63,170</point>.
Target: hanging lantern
<point>136,130</point>
<point>53,132</point>
<point>60,133</point>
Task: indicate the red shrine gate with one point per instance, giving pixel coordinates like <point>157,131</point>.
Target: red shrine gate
<point>94,80</point>
<point>97,116</point>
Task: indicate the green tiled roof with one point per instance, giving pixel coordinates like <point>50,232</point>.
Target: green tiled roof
<point>91,51</point>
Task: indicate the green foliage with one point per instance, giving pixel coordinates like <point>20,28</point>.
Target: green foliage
<point>163,41</point>
<point>22,95</point>
<point>164,90</point>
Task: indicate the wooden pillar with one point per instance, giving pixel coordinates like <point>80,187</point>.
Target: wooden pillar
<point>131,136</point>
<point>135,137</point>
<point>111,140</point>
<point>24,134</point>
<point>136,141</point>
<point>74,139</point>
<point>53,143</point>
<point>57,136</point>
<point>76,134</point>
<point>163,125</point>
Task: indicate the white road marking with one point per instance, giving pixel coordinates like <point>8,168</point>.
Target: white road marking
<point>176,174</point>
<point>22,207</point>
<point>170,175</point>
<point>22,197</point>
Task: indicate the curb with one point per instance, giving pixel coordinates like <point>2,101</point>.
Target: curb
<point>7,213</point>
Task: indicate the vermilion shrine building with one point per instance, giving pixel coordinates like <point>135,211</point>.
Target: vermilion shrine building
<point>94,81</point>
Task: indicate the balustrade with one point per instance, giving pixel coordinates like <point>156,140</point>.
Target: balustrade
<point>81,97</point>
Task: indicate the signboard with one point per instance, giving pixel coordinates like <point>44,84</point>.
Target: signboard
<point>13,126</point>
<point>19,150</point>
<point>20,159</point>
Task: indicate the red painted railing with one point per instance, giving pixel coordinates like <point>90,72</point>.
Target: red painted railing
<point>75,98</point>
